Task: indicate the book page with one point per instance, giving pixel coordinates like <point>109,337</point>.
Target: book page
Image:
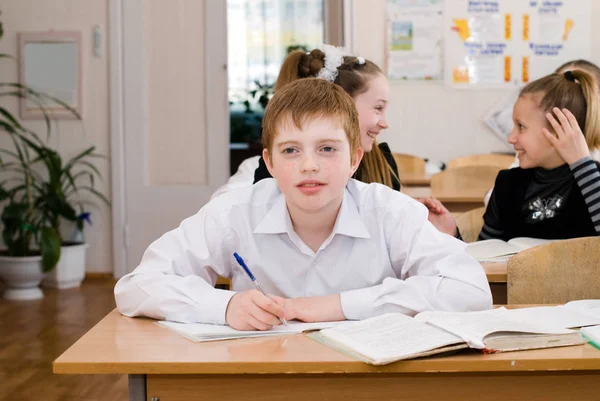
<point>527,242</point>
<point>390,337</point>
<point>586,306</point>
<point>473,327</point>
<point>491,248</point>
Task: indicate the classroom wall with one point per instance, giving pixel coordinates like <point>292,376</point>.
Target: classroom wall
<point>70,137</point>
<point>425,118</point>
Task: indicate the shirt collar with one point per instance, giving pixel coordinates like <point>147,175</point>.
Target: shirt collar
<point>277,220</point>
<point>349,222</point>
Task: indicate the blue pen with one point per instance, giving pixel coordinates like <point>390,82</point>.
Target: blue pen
<point>256,285</point>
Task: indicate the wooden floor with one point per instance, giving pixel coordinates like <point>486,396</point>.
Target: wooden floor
<point>34,333</point>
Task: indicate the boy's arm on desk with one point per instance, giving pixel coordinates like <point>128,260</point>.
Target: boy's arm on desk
<point>175,278</point>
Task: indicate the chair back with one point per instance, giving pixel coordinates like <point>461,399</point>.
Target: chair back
<point>470,224</point>
<point>555,273</point>
<point>472,181</point>
<point>409,164</point>
<point>491,159</point>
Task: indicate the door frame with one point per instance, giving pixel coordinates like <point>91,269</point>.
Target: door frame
<point>119,87</point>
<point>117,137</point>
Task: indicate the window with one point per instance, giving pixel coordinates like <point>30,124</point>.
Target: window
<point>260,34</point>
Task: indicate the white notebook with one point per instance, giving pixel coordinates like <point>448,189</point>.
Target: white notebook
<point>496,250</point>
<point>200,332</point>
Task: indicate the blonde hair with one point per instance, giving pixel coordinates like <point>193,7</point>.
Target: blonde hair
<point>353,77</point>
<point>306,100</point>
<point>576,91</point>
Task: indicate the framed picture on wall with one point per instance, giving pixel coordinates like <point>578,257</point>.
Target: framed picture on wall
<point>50,64</point>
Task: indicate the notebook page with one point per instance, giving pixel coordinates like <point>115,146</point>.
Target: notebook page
<point>473,327</point>
<point>390,337</point>
<point>560,316</point>
<point>586,306</point>
<point>528,242</point>
<point>490,249</point>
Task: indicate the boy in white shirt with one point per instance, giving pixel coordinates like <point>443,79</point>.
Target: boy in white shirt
<point>322,245</point>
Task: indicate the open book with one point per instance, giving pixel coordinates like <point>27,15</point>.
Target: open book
<point>200,332</point>
<point>392,337</point>
<point>496,250</point>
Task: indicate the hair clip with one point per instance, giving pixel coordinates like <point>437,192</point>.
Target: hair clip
<point>361,60</point>
<point>334,56</point>
<point>569,76</point>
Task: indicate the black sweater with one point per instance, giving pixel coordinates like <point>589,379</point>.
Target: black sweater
<point>560,203</point>
<point>262,172</point>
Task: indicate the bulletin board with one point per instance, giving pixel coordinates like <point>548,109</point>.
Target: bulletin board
<point>508,43</point>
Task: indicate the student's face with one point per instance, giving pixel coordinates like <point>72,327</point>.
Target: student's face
<point>312,165</point>
<point>532,147</point>
<point>371,106</point>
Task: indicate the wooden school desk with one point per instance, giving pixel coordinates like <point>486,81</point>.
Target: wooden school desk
<point>415,180</point>
<point>497,277</point>
<point>457,202</point>
<point>165,365</point>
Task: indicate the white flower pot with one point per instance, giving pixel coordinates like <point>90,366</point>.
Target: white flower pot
<point>22,276</point>
<point>70,270</point>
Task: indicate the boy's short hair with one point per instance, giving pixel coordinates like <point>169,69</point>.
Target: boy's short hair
<point>307,99</point>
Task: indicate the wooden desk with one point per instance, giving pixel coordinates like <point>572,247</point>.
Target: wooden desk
<point>162,364</point>
<point>497,277</point>
<point>458,202</point>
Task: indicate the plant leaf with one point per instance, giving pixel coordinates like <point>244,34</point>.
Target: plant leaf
<point>50,244</point>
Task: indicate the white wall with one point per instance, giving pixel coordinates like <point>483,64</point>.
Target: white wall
<point>425,118</point>
<point>70,137</point>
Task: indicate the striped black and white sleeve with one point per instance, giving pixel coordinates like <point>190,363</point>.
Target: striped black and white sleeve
<point>587,177</point>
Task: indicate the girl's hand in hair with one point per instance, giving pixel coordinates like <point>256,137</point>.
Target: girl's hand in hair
<point>439,216</point>
<point>569,141</point>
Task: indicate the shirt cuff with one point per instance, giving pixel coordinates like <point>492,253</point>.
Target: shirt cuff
<point>215,314</point>
<point>359,304</point>
<point>580,162</point>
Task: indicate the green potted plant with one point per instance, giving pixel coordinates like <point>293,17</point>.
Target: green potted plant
<point>39,192</point>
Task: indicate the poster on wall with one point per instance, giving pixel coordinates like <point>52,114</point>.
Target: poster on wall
<point>414,39</point>
<point>508,43</point>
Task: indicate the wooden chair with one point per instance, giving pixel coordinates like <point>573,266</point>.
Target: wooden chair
<point>471,181</point>
<point>409,164</point>
<point>555,273</point>
<point>223,283</point>
<point>470,224</point>
<point>497,160</point>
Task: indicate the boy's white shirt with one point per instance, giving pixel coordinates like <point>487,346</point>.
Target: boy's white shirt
<point>382,256</point>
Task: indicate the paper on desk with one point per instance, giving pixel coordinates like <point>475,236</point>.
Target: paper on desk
<point>201,332</point>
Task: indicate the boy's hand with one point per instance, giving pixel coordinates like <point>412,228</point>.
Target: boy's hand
<point>251,310</point>
<point>439,216</point>
<point>569,141</point>
<point>312,309</point>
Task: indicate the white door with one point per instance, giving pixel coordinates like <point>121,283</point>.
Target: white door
<point>175,116</point>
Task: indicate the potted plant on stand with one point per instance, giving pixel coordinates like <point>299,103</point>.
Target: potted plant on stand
<point>42,193</point>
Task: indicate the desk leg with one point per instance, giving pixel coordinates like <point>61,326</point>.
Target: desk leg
<point>137,387</point>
